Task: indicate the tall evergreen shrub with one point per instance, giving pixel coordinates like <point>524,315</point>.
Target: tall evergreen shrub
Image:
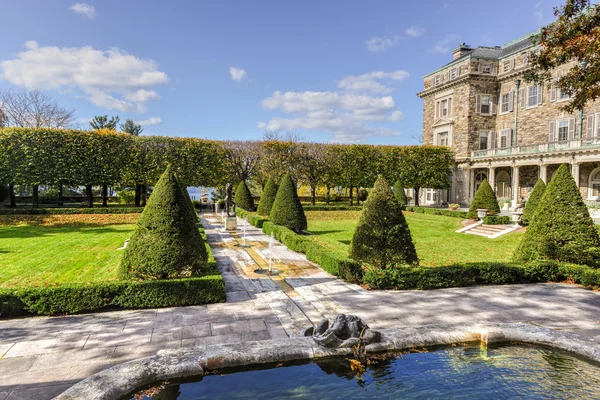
<point>166,242</point>
<point>188,199</point>
<point>287,210</point>
<point>382,237</point>
<point>398,190</point>
<point>533,201</point>
<point>267,198</point>
<point>484,198</point>
<point>561,228</point>
<point>243,198</point>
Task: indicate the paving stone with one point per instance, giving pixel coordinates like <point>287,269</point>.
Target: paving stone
<point>4,347</point>
<point>128,353</point>
<point>38,393</point>
<point>30,378</point>
<point>225,328</point>
<point>194,331</point>
<point>29,348</point>
<point>130,337</point>
<point>15,365</point>
<point>166,334</point>
<point>69,359</point>
<point>4,395</point>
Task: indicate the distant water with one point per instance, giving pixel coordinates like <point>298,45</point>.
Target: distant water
<point>460,372</point>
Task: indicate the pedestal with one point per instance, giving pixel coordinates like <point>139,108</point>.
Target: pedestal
<point>231,223</point>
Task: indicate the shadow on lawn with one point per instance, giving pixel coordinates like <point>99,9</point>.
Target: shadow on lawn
<point>13,232</point>
<point>319,233</point>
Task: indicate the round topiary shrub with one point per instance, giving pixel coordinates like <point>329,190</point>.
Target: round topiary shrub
<point>243,198</point>
<point>398,190</point>
<point>267,198</point>
<point>287,210</point>
<point>561,228</point>
<point>533,201</point>
<point>382,237</point>
<point>166,242</point>
<point>484,198</point>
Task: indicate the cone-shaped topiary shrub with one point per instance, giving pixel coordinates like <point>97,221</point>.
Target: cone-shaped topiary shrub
<point>287,210</point>
<point>166,242</point>
<point>267,198</point>
<point>533,201</point>
<point>561,228</point>
<point>398,190</point>
<point>188,199</point>
<point>484,198</point>
<point>243,198</point>
<point>382,237</point>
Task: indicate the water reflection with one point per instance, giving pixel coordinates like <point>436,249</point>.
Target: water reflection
<point>459,372</point>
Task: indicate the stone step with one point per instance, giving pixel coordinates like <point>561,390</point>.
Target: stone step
<point>474,232</point>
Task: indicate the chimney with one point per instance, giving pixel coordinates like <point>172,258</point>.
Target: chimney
<point>461,51</point>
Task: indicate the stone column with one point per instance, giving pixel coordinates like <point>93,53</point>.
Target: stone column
<point>515,188</point>
<point>544,173</point>
<point>575,173</point>
<point>492,178</point>
<point>471,184</point>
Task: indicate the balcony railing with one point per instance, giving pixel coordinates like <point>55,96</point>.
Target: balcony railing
<point>538,148</point>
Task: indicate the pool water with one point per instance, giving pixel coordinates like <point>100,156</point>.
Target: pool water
<point>457,372</point>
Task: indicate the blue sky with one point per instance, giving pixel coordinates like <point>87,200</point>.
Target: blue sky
<point>342,71</point>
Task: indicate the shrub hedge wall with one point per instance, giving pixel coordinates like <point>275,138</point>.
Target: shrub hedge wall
<point>437,211</point>
<point>78,298</point>
<point>481,274</point>
<point>70,211</point>
<point>496,220</point>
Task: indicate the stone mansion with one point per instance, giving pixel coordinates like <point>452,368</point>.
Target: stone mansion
<point>505,129</point>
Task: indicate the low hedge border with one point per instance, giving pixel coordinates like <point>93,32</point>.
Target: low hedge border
<point>331,208</point>
<point>471,274</point>
<point>496,220</point>
<point>437,211</point>
<point>69,211</point>
<point>331,262</point>
<point>79,298</point>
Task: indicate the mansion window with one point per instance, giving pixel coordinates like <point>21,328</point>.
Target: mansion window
<point>486,104</point>
<point>443,108</point>
<point>438,80</point>
<point>563,130</point>
<point>506,102</point>
<point>562,95</point>
<point>594,191</point>
<point>503,138</point>
<point>487,69</point>
<point>506,66</point>
<point>483,141</point>
<point>443,139</point>
<point>532,96</point>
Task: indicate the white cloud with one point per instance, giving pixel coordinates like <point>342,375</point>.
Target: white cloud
<point>237,74</point>
<point>443,46</point>
<point>110,79</point>
<point>150,121</point>
<point>345,115</point>
<point>414,32</point>
<point>369,82</point>
<point>84,9</point>
<point>377,43</point>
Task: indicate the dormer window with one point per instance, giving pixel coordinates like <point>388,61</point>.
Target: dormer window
<point>438,80</point>
<point>453,73</point>
<point>506,66</point>
<point>486,69</point>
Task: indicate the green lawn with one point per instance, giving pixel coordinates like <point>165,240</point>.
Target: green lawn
<point>33,255</point>
<point>435,238</point>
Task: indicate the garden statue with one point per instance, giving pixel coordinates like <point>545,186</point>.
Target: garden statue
<point>230,220</point>
<point>345,331</point>
<point>228,199</point>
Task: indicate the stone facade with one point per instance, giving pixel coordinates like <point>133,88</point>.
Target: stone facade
<point>480,105</point>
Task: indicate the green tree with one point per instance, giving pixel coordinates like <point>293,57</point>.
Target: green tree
<point>243,198</point>
<point>267,198</point>
<point>131,128</point>
<point>100,122</point>
<point>574,38</point>
<point>287,210</point>
<point>561,228</point>
<point>166,242</point>
<point>533,201</point>
<point>398,190</point>
<point>424,167</point>
<point>382,237</point>
<point>484,198</point>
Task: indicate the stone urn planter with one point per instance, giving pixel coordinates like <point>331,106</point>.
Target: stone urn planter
<point>481,213</point>
<point>453,207</point>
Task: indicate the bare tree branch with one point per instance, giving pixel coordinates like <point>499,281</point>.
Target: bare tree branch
<point>33,109</point>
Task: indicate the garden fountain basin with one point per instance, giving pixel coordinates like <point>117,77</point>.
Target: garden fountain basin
<point>122,379</point>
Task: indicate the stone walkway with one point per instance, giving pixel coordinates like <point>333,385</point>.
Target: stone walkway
<point>42,356</point>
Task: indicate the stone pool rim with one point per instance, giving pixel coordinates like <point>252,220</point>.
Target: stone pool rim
<point>121,379</point>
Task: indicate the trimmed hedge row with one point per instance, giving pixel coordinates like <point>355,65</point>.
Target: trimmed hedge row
<point>70,211</point>
<point>437,211</point>
<point>253,219</point>
<point>471,274</point>
<point>78,298</point>
<point>331,208</point>
<point>496,220</point>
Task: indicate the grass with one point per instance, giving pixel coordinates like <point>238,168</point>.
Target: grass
<point>41,255</point>
<point>435,238</point>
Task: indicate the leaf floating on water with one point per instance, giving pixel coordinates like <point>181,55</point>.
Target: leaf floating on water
<point>153,391</point>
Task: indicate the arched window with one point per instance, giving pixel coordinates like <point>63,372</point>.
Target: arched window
<point>594,186</point>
